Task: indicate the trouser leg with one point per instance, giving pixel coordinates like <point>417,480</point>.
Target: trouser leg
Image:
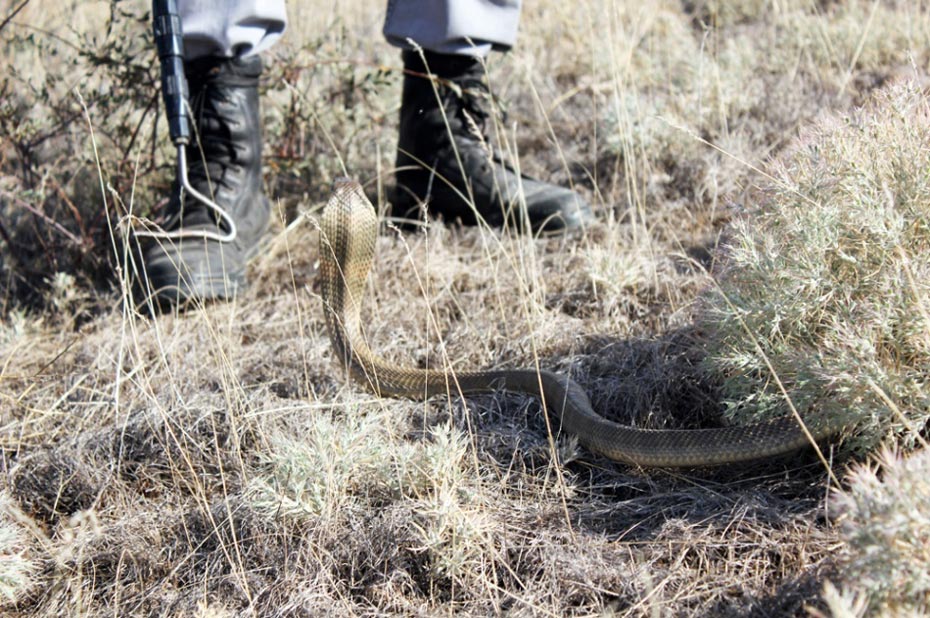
<point>462,27</point>
<point>244,27</point>
<point>230,28</point>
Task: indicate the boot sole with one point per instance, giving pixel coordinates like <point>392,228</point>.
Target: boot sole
<point>199,289</point>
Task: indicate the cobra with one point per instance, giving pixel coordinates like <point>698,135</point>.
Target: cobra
<point>349,229</point>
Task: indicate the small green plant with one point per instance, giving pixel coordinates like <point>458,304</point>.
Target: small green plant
<point>337,466</point>
<point>340,469</point>
<point>827,284</point>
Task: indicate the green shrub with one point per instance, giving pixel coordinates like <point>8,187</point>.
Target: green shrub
<point>886,524</point>
<point>829,280</point>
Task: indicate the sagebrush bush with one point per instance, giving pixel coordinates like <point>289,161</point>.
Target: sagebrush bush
<point>339,469</point>
<point>339,465</point>
<point>886,524</point>
<point>829,279</point>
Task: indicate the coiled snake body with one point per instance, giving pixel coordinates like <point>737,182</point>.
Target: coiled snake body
<point>349,229</point>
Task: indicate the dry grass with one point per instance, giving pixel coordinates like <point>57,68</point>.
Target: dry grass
<point>218,463</point>
<point>16,569</point>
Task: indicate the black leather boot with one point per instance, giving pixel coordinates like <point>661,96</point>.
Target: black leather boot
<point>203,252</point>
<point>444,159</point>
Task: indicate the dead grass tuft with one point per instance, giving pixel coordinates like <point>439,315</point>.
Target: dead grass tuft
<point>16,566</point>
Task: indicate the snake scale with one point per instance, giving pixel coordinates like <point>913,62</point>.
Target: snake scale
<point>349,229</point>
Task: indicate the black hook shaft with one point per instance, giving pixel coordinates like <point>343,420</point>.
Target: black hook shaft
<point>170,44</point>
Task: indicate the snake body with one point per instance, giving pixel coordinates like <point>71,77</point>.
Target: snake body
<point>349,230</point>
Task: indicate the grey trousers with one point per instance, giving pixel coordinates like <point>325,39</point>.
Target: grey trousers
<point>244,27</point>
